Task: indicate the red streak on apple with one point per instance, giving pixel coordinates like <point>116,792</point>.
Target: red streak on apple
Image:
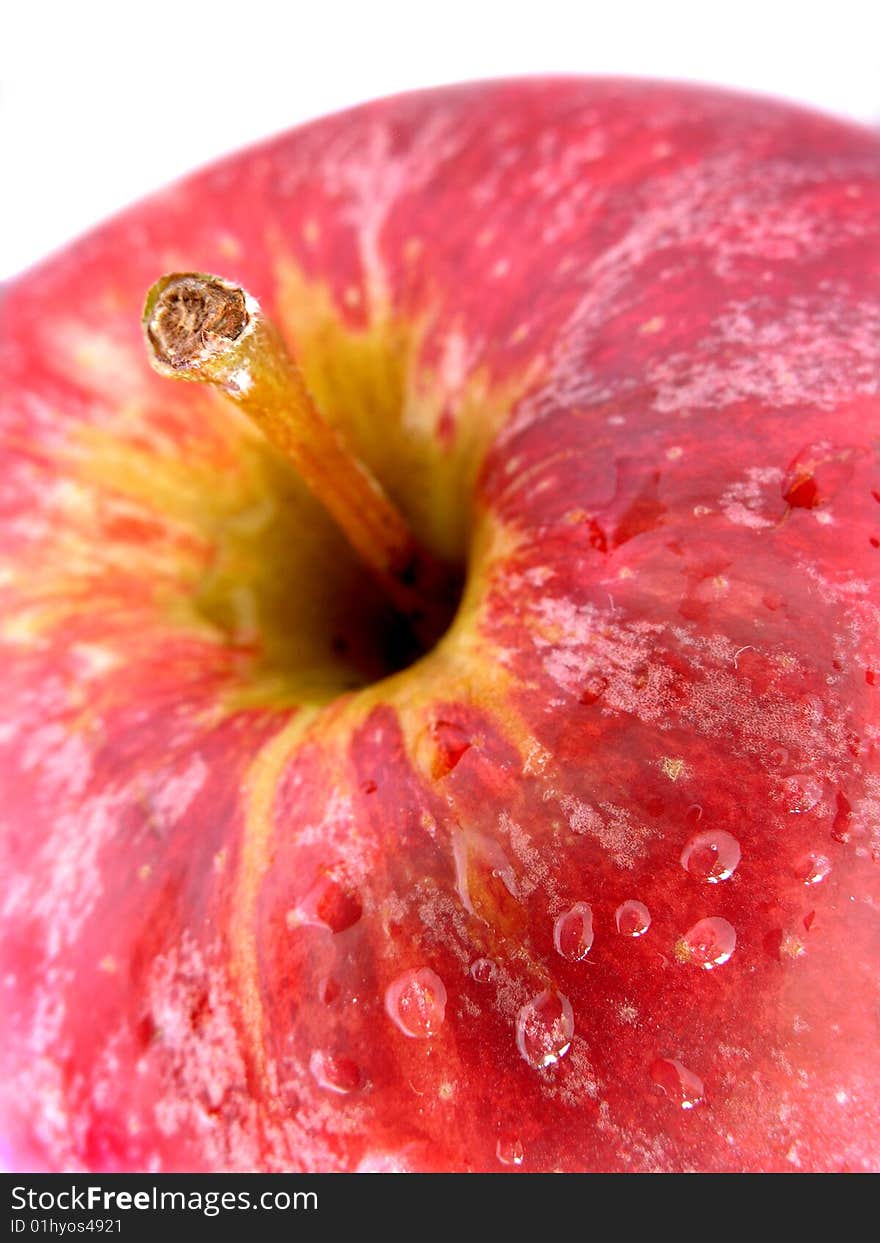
<point>594,884</point>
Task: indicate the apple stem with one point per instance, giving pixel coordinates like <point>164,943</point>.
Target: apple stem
<point>206,329</point>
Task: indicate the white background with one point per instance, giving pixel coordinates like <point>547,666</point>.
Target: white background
<point>100,103</point>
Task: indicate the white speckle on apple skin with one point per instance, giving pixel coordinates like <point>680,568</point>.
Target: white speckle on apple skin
<point>171,798</point>
<point>455,363</point>
<point>203,1062</point>
<point>754,501</point>
<point>373,180</point>
<point>756,372</point>
<point>71,884</point>
<point>206,1053</point>
<point>613,827</point>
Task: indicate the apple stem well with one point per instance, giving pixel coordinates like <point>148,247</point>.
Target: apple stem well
<point>206,329</point>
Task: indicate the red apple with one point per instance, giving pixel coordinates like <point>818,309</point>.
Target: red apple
<point>592,884</point>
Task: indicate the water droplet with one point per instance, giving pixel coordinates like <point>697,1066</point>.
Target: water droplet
<point>441,746</point>
<point>335,1073</point>
<point>708,944</point>
<point>573,932</point>
<point>416,1002</point>
<point>544,1028</point>
<point>483,970</point>
<point>802,792</point>
<point>812,869</point>
<point>633,918</point>
<point>509,1152</point>
<point>328,990</point>
<point>802,492</point>
<point>597,537</point>
<point>486,881</point>
<point>339,908</point>
<point>843,826</point>
<point>594,688</point>
<point>331,902</point>
<point>778,756</point>
<point>819,473</point>
<point>681,1085</point>
<point>712,856</point>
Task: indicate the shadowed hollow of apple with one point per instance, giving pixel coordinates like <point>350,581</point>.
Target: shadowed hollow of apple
<point>379,595</point>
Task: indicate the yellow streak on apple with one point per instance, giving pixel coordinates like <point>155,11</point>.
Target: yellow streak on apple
<point>261,786</point>
<point>234,518</point>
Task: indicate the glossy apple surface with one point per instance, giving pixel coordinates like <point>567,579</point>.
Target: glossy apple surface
<point>594,884</point>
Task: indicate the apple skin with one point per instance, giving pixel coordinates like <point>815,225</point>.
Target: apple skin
<point>617,345</point>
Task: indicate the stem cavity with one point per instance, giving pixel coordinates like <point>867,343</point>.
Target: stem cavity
<point>208,330</point>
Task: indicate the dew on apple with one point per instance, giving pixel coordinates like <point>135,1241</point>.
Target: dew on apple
<point>544,1028</point>
<point>708,944</point>
<point>330,903</point>
<point>844,827</point>
<point>415,1001</point>
<point>483,970</point>
<point>712,856</point>
<point>339,909</point>
<point>681,1085</point>
<point>573,932</point>
<point>594,688</point>
<point>328,990</point>
<point>486,881</point>
<point>633,918</point>
<point>446,743</point>
<point>509,1151</point>
<point>801,792</point>
<point>813,868</point>
<point>335,1073</point>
